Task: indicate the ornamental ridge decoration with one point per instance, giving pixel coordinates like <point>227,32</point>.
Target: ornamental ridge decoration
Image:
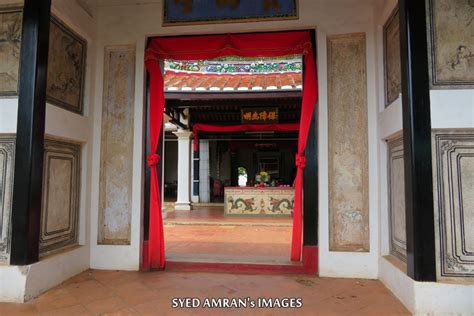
<point>235,67</point>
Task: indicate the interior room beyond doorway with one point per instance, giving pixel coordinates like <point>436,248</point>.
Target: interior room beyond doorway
<point>240,182</point>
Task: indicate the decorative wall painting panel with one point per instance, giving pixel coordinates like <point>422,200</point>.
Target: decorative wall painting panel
<point>179,12</point>
<point>348,147</point>
<point>452,42</point>
<point>392,66</point>
<point>116,161</point>
<point>7,161</point>
<point>66,67</point>
<point>396,198</point>
<point>60,201</point>
<point>10,42</point>
<point>453,164</point>
<point>259,201</point>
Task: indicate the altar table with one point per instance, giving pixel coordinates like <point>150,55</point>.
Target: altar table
<point>252,201</point>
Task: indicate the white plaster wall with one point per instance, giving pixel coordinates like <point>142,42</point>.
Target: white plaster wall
<point>54,270</point>
<point>12,283</point>
<point>123,257</point>
<point>449,109</point>
<point>452,108</point>
<point>427,298</point>
<point>22,283</point>
<point>8,115</point>
<point>121,23</point>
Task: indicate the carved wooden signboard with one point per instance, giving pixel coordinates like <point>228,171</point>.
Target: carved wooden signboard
<point>260,116</point>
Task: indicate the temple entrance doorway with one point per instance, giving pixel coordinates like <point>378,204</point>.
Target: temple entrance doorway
<point>236,125</point>
<point>241,191</point>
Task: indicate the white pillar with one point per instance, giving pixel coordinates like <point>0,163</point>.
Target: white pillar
<point>184,172</point>
<point>163,207</point>
<point>204,193</point>
<point>194,198</point>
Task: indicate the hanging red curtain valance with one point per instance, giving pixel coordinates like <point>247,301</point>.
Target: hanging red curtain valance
<point>209,47</point>
<point>240,128</point>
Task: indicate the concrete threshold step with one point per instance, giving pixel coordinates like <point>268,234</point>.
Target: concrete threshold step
<point>205,223</point>
<point>221,258</point>
<point>236,268</point>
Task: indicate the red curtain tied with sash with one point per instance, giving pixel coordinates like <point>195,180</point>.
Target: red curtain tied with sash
<point>209,47</point>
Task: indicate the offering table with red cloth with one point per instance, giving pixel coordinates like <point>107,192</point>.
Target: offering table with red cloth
<point>258,201</point>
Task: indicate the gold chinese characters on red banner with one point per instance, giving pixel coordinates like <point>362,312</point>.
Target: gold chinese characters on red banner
<point>260,116</point>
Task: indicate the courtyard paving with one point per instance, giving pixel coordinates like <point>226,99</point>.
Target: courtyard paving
<point>96,292</point>
<point>205,234</point>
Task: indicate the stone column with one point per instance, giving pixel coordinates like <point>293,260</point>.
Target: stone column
<point>163,153</point>
<point>184,172</point>
<point>194,175</point>
<point>204,193</point>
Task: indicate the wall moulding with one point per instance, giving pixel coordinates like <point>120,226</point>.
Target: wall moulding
<point>451,43</point>
<point>7,161</point>
<point>116,162</point>
<point>392,66</point>
<point>66,66</point>
<point>396,198</point>
<point>453,164</point>
<point>348,144</point>
<point>10,45</point>
<point>61,196</point>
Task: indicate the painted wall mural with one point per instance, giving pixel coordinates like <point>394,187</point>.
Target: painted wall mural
<point>10,42</point>
<point>452,42</point>
<point>259,202</point>
<point>7,161</point>
<point>453,164</point>
<point>396,199</point>
<point>116,151</point>
<point>348,145</point>
<point>392,66</point>
<point>66,61</point>
<point>178,12</point>
<point>66,67</point>
<point>60,200</point>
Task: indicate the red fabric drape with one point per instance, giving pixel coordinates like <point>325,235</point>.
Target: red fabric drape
<point>209,47</point>
<point>240,128</point>
<point>155,256</point>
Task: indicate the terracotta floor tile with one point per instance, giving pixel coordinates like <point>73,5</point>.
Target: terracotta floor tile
<point>123,312</point>
<point>88,295</point>
<point>46,303</point>
<point>205,234</point>
<point>220,238</point>
<point>76,310</point>
<point>105,305</point>
<point>128,287</point>
<point>86,285</point>
<point>17,309</point>
<point>137,296</point>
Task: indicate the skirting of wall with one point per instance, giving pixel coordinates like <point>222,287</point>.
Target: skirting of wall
<point>426,298</point>
<point>21,283</point>
<point>347,264</point>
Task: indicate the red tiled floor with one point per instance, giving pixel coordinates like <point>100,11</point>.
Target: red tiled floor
<point>205,234</point>
<point>215,214</point>
<point>150,293</point>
